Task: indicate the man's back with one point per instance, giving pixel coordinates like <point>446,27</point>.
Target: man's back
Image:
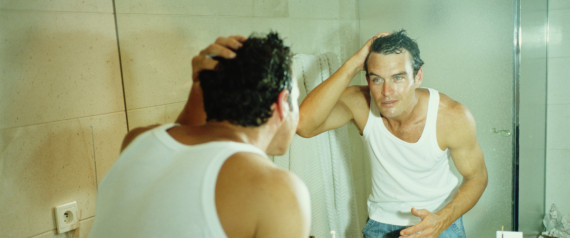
<point>160,187</point>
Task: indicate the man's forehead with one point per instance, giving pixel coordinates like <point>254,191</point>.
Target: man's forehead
<point>383,60</point>
<point>388,65</point>
<point>402,52</point>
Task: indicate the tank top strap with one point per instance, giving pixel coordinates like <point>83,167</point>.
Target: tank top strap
<point>433,106</point>
<point>431,118</point>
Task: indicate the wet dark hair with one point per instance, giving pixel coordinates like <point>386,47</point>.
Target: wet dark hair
<point>395,44</point>
<point>241,90</point>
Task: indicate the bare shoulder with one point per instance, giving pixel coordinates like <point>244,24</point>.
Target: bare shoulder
<point>132,134</point>
<point>453,112</point>
<point>264,171</point>
<point>455,122</point>
<point>270,200</point>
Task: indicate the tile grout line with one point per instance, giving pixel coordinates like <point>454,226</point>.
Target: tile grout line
<point>120,64</point>
<point>88,116</point>
<point>94,158</point>
<point>60,120</point>
<point>55,229</point>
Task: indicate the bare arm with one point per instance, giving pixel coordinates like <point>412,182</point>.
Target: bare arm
<point>193,112</point>
<point>460,136</point>
<point>327,106</point>
<point>289,214</point>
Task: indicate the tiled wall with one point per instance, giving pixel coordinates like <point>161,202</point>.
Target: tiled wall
<point>62,113</point>
<point>558,110</point>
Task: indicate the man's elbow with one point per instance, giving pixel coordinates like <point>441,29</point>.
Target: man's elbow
<point>304,132</point>
<point>305,127</point>
<point>481,179</point>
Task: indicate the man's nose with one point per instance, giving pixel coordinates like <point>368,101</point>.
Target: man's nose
<point>387,89</point>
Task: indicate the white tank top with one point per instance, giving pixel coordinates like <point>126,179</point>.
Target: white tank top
<point>161,188</point>
<point>406,175</point>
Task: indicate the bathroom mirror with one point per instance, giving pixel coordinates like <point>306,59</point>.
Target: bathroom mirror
<point>468,48</point>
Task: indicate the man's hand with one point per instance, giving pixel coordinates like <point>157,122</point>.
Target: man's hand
<point>223,47</point>
<point>359,57</point>
<point>430,227</point>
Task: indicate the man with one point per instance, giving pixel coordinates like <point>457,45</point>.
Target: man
<point>410,133</point>
<point>209,176</point>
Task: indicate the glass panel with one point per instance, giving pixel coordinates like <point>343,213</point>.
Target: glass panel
<point>532,116</point>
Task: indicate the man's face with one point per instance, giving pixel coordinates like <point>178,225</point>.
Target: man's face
<point>392,83</point>
<point>282,139</point>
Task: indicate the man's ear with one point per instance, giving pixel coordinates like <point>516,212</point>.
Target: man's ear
<point>283,103</point>
<point>419,77</point>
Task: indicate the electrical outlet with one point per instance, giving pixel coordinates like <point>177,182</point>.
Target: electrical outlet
<point>67,217</point>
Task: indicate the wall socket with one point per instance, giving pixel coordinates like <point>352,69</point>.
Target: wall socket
<point>67,217</point>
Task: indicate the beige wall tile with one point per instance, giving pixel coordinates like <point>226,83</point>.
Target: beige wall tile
<point>43,166</point>
<point>146,116</point>
<point>157,53</point>
<point>107,135</point>
<point>81,232</point>
<point>194,7</point>
<point>59,5</point>
<point>154,115</point>
<point>57,66</point>
<point>171,111</point>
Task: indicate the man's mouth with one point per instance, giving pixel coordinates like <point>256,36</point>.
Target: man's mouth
<point>389,103</point>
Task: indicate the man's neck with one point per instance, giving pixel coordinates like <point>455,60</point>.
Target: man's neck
<point>225,131</point>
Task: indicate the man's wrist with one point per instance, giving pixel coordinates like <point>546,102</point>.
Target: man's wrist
<point>353,65</point>
<point>447,214</point>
